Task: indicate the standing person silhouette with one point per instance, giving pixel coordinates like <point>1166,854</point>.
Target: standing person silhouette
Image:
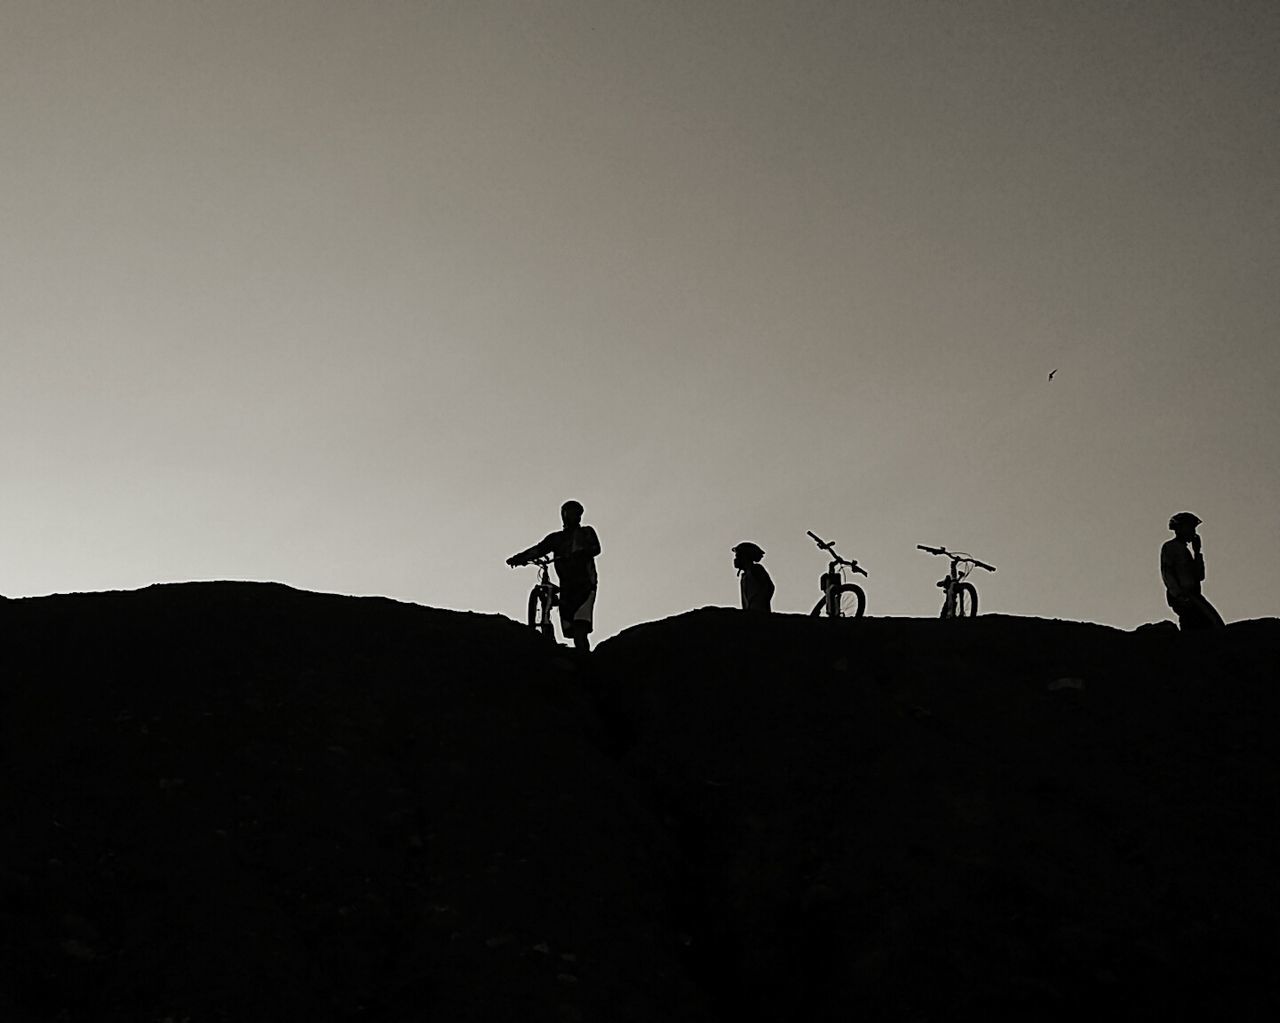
<point>754,582</point>
<point>1183,572</point>
<point>573,550</point>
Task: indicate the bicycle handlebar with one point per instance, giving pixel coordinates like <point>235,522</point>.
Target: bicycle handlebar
<point>541,562</point>
<point>830,547</point>
<point>956,556</point>
<point>819,541</point>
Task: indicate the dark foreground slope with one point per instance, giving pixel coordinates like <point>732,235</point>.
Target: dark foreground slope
<point>915,819</point>
<point>243,802</point>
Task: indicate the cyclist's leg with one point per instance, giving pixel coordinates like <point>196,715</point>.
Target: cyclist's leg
<point>1195,614</point>
<point>577,611</point>
<point>581,636</point>
<point>1210,612</point>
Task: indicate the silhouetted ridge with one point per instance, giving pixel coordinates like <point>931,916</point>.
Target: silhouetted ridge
<point>244,801</point>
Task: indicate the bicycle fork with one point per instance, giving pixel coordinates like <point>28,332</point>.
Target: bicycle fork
<point>948,597</point>
<point>834,581</point>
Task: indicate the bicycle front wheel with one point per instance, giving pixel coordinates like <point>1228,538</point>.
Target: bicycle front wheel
<point>966,601</point>
<point>850,602</point>
<point>540,612</point>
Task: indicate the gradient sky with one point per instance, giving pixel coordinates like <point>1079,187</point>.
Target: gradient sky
<point>351,295</point>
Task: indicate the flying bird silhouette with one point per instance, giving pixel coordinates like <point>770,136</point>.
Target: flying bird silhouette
<point>1051,372</point>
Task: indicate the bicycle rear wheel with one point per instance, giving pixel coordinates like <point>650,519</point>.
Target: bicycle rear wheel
<point>540,612</point>
<point>851,602</point>
<point>966,601</point>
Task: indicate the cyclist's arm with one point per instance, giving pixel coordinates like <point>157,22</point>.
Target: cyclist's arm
<point>593,542</point>
<point>1169,570</point>
<point>544,546</point>
<point>1180,572</point>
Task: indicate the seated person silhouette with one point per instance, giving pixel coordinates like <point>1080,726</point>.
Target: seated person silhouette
<point>1183,572</point>
<point>573,550</point>
<point>754,581</point>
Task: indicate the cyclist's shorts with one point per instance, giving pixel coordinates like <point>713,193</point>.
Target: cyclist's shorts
<point>581,613</point>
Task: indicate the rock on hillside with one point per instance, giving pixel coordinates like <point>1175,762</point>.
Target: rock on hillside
<point>236,801</point>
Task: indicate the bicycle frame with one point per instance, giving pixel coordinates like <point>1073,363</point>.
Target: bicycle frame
<point>545,595</point>
<point>958,573</point>
<point>954,583</point>
<point>833,581</point>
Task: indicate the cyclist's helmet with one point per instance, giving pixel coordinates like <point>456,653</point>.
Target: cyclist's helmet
<point>748,551</point>
<point>1183,518</point>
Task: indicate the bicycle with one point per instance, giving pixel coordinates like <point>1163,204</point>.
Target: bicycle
<point>960,598</point>
<point>542,598</point>
<point>839,598</point>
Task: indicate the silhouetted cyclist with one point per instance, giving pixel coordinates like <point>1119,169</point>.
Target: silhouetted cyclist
<point>573,551</point>
<point>1183,572</point>
<point>754,581</point>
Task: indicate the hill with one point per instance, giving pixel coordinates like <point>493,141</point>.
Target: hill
<point>917,819</point>
<point>240,801</point>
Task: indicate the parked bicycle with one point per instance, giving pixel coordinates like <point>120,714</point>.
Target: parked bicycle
<point>839,598</point>
<point>960,598</point>
<point>542,598</point>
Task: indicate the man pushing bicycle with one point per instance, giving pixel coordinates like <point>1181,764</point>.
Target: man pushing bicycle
<point>573,551</point>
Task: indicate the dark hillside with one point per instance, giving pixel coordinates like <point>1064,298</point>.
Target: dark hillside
<point>245,802</point>
<point>939,820</point>
<point>234,801</point>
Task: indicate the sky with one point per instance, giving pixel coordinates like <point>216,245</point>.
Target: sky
<point>352,295</point>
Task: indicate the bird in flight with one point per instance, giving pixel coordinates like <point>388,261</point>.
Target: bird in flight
<point>1051,372</point>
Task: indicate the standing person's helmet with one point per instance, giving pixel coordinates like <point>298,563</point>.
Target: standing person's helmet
<point>1183,518</point>
<point>748,551</point>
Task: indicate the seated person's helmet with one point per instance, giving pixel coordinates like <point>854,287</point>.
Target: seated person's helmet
<point>749,551</point>
<point>1183,518</point>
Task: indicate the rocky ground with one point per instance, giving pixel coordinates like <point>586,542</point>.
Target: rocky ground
<point>236,801</point>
